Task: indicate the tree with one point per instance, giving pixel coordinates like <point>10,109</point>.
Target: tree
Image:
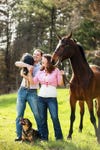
<point>26,25</point>
<point>6,40</point>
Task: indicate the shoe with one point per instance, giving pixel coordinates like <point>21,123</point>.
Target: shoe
<point>43,141</point>
<point>18,139</point>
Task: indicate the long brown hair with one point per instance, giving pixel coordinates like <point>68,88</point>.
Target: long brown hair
<point>49,67</point>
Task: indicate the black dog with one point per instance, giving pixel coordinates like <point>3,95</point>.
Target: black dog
<point>28,134</point>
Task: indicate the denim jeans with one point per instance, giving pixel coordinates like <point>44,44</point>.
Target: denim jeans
<point>30,96</point>
<point>49,103</point>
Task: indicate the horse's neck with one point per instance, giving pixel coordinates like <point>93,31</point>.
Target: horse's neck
<point>80,67</point>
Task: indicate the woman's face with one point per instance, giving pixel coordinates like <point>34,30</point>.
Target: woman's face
<point>44,62</point>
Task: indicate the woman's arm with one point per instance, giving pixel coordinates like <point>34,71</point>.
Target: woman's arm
<point>23,75</point>
<point>60,77</point>
<point>35,79</point>
<point>62,81</point>
<point>28,77</point>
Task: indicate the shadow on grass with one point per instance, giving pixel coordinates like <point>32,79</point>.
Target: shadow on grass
<point>53,145</point>
<point>59,145</point>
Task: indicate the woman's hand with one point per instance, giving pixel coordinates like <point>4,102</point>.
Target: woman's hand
<point>23,75</point>
<point>30,68</point>
<point>30,77</point>
<point>62,72</point>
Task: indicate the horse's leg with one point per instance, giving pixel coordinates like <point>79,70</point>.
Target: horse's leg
<point>81,104</point>
<point>72,116</point>
<point>92,117</point>
<point>98,114</point>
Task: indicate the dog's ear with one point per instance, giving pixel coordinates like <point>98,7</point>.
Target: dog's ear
<point>30,124</point>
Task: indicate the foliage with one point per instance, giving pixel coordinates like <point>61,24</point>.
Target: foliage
<point>80,141</point>
<point>29,24</point>
<point>88,34</point>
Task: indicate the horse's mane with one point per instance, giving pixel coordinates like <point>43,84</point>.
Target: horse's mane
<point>82,51</point>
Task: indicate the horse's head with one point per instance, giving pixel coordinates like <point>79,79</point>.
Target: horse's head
<point>64,49</point>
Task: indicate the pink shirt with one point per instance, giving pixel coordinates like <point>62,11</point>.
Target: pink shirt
<point>52,79</point>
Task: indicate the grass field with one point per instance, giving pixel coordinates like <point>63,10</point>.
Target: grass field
<point>80,141</point>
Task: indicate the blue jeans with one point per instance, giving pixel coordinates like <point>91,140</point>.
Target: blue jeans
<point>30,96</point>
<point>51,104</point>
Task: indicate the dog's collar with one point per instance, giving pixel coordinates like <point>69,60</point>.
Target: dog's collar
<point>25,132</point>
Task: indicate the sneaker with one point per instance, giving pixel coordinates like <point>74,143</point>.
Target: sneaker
<point>18,139</point>
<point>43,141</point>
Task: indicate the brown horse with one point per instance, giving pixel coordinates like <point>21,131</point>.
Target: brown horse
<point>84,84</point>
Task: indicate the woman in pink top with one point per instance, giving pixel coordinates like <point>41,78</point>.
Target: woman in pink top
<point>49,77</point>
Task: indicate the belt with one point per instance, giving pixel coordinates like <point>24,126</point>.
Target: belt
<point>25,88</point>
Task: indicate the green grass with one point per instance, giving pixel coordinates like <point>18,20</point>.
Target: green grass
<point>80,141</point>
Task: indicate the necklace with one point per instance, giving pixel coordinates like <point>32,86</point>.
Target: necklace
<point>46,78</point>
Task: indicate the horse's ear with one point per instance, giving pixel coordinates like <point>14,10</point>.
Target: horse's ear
<point>58,37</point>
<point>70,35</point>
